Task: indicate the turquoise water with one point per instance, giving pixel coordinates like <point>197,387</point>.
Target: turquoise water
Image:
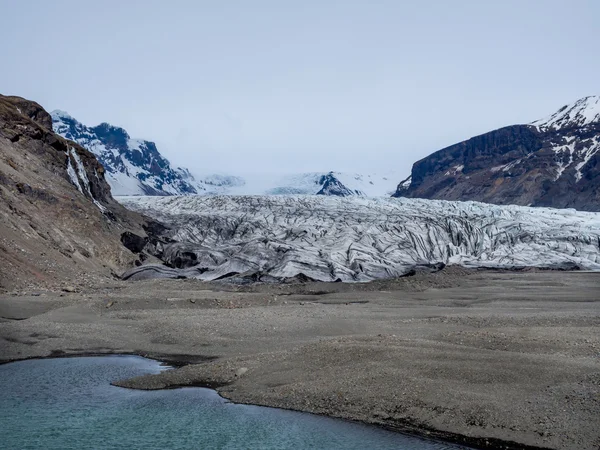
<point>68,403</point>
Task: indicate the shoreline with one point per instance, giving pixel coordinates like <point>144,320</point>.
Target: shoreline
<point>485,359</point>
<point>414,431</point>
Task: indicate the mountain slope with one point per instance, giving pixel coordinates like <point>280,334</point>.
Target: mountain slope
<point>553,161</point>
<point>360,239</point>
<point>133,166</point>
<point>58,220</point>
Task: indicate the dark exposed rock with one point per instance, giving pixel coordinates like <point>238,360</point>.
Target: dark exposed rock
<point>332,186</point>
<point>32,110</point>
<point>36,193</point>
<point>133,242</point>
<point>29,121</point>
<point>58,219</point>
<point>554,162</point>
<point>155,229</point>
<point>185,259</point>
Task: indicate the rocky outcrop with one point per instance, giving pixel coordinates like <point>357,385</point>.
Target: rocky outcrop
<point>30,109</point>
<point>58,220</point>
<point>552,162</point>
<point>133,242</point>
<point>333,183</point>
<point>330,185</point>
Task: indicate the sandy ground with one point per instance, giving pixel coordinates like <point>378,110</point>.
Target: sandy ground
<point>491,359</point>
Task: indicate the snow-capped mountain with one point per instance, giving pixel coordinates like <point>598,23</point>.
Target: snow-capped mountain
<point>553,161</point>
<point>340,184</point>
<point>135,167</point>
<point>582,113</point>
<point>360,239</point>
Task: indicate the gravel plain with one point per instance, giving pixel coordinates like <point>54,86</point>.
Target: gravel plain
<point>491,359</point>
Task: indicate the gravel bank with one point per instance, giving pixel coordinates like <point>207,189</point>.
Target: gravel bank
<point>491,359</point>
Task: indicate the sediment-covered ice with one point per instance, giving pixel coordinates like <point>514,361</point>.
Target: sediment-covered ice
<point>361,239</point>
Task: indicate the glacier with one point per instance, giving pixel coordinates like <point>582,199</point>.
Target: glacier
<point>358,239</point>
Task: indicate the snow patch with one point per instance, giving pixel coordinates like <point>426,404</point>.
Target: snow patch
<point>80,175</point>
<point>455,170</point>
<point>58,114</point>
<point>71,171</point>
<point>580,113</point>
<point>559,151</point>
<point>586,155</point>
<point>406,183</point>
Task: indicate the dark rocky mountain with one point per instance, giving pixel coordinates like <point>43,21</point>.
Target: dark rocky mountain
<point>58,220</point>
<point>551,162</point>
<point>133,166</point>
<point>331,185</point>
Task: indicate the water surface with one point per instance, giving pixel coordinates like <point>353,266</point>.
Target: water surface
<point>68,403</point>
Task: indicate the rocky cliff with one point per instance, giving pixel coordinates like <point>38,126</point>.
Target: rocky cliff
<point>551,162</point>
<point>58,221</point>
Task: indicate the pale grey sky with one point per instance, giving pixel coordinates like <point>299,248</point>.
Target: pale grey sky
<point>240,86</point>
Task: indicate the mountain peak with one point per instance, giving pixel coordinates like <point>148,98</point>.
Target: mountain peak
<point>578,114</point>
<point>59,114</point>
<point>133,166</point>
<point>552,162</point>
<point>106,129</point>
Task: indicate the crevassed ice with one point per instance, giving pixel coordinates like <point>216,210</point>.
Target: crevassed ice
<point>361,239</point>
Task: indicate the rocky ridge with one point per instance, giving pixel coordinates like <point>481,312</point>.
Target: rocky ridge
<point>133,166</point>
<point>552,162</point>
<point>59,223</point>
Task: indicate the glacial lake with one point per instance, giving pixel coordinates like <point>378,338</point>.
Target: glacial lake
<point>68,403</point>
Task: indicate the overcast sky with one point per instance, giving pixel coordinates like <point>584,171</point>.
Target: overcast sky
<point>304,85</point>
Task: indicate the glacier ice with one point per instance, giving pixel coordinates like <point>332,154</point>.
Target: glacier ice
<point>362,239</point>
